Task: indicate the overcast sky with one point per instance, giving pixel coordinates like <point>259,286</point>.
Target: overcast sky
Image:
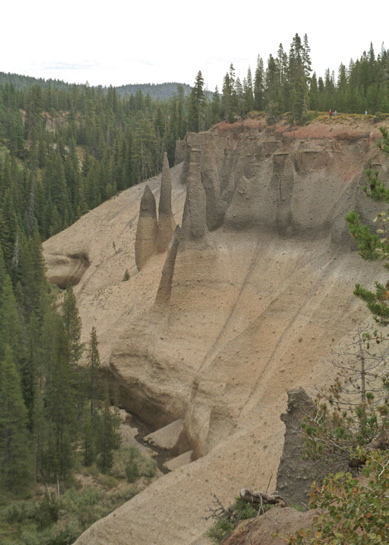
<point>157,41</point>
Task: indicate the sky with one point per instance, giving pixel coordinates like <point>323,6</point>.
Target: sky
<point>154,41</point>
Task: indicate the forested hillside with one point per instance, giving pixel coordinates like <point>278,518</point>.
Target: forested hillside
<point>23,82</point>
<point>66,151</point>
<point>160,91</point>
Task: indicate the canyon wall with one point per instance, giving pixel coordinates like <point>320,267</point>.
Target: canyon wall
<point>252,298</point>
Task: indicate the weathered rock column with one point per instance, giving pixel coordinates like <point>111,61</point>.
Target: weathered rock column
<point>294,474</point>
<point>166,224</point>
<point>165,285</point>
<point>147,229</point>
<point>296,471</point>
<point>194,221</point>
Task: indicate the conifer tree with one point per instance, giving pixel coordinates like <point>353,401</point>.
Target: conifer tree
<point>15,444</point>
<point>307,58</point>
<point>94,379</point>
<point>314,93</point>
<point>33,288</point>
<point>272,95</point>
<point>59,396</point>
<point>30,365</point>
<point>196,113</point>
<point>144,148</point>
<point>229,97</point>
<point>215,106</point>
<point>240,99</point>
<point>94,396</point>
<point>10,326</point>
<point>8,230</point>
<point>72,324</point>
<point>108,438</point>
<point>284,89</point>
<point>298,76</point>
<point>259,85</point>
<point>3,271</point>
<point>100,421</point>
<point>1,116</point>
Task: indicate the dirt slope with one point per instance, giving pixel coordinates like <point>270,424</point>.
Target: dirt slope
<point>261,296</point>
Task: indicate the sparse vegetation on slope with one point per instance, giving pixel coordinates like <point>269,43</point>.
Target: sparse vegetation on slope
<point>57,515</point>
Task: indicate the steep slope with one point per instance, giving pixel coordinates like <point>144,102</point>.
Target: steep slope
<point>261,293</point>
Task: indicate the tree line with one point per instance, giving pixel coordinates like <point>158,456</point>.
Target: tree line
<point>287,84</point>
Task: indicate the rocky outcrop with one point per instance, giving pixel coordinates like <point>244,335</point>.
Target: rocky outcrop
<point>165,285</point>
<point>146,233</point>
<point>296,472</point>
<point>154,236</point>
<point>194,221</point>
<point>294,475</point>
<point>212,183</point>
<point>166,223</point>
<point>67,269</point>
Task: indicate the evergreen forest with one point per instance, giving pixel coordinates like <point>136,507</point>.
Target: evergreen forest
<point>65,149</point>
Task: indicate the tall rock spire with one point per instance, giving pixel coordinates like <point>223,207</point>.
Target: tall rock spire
<point>166,224</point>
<point>165,285</point>
<point>194,222</point>
<point>146,232</point>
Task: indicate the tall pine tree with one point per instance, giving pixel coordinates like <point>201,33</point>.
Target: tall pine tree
<point>15,444</point>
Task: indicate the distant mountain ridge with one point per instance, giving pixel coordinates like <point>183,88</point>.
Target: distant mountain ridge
<point>160,91</point>
<point>23,82</point>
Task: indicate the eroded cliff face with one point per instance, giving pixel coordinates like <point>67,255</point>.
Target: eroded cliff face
<point>255,294</point>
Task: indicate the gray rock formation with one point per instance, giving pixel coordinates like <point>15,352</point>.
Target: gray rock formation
<point>165,285</point>
<point>296,472</point>
<point>216,206</point>
<point>146,233</point>
<point>194,221</point>
<point>294,476</point>
<point>166,224</point>
<point>185,155</point>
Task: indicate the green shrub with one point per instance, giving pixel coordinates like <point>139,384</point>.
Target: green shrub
<point>31,537</point>
<point>353,511</point>
<point>130,464</point>
<point>220,530</point>
<point>132,471</point>
<point>147,467</point>
<point>18,512</point>
<point>74,500</point>
<point>227,519</point>
<point>47,512</point>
